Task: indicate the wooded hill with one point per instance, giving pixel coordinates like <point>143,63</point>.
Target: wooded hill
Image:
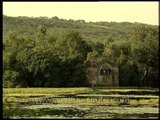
<point>53,52</point>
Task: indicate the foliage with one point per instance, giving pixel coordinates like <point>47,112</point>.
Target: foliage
<point>53,52</point>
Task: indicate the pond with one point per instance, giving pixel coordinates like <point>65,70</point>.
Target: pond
<point>82,105</point>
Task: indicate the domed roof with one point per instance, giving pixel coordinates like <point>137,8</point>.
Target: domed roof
<point>105,65</point>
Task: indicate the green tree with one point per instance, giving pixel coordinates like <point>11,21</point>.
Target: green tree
<point>147,56</point>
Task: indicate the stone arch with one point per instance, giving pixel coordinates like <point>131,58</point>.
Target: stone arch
<point>107,69</point>
<point>101,72</point>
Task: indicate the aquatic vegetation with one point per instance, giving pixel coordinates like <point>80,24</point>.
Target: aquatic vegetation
<point>78,103</point>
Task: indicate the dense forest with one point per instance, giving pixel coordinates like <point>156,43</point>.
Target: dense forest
<point>53,52</point>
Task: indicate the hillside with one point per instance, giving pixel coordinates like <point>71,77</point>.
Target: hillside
<point>90,31</point>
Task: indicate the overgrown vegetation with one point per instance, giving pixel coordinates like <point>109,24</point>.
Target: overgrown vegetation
<point>53,52</point>
<point>80,102</point>
<point>80,95</point>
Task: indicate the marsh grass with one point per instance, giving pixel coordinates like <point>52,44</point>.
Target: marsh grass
<point>80,96</point>
<point>74,101</point>
<point>57,91</point>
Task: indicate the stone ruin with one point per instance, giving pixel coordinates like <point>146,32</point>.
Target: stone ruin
<point>102,74</point>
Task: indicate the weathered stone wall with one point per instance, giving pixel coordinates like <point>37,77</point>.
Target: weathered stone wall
<point>103,76</point>
<point>92,76</point>
<point>116,76</point>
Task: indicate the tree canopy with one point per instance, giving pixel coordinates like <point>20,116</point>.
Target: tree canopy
<point>52,52</point>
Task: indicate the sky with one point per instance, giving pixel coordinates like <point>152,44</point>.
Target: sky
<point>142,12</point>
